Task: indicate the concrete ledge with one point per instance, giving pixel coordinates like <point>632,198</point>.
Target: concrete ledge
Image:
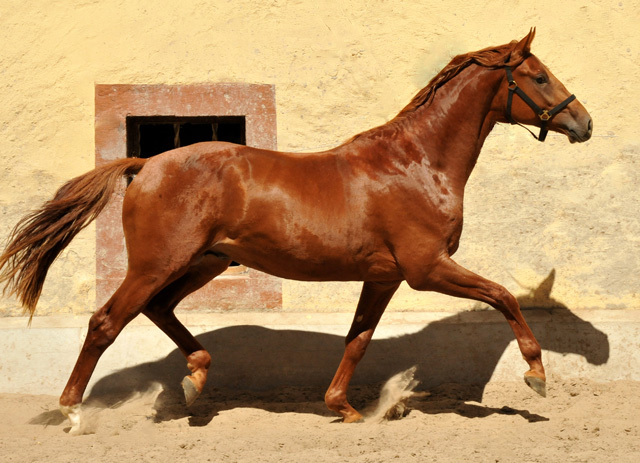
<point>257,351</point>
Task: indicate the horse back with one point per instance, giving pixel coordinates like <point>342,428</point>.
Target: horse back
<point>300,216</point>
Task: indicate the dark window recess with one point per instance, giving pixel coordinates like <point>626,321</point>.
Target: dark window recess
<point>151,135</point>
<point>148,136</point>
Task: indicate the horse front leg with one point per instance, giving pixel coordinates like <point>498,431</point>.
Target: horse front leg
<point>448,277</point>
<point>373,301</point>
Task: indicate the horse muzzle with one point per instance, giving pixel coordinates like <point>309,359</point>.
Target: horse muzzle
<point>578,132</point>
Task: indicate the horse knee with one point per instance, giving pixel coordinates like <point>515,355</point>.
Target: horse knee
<point>509,306</point>
<point>504,300</point>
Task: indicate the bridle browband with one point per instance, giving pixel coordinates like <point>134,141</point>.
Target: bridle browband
<point>544,115</point>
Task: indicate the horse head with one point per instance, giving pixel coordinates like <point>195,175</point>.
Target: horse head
<point>542,100</point>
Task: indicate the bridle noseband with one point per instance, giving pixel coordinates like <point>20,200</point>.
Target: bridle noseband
<point>544,115</point>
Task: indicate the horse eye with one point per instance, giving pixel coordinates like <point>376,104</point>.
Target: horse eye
<point>541,80</point>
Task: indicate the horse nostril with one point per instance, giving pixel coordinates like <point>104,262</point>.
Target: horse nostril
<point>590,125</point>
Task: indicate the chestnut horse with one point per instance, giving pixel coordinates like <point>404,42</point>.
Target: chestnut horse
<point>382,208</point>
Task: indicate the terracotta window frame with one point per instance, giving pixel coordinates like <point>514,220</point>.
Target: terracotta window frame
<point>248,290</point>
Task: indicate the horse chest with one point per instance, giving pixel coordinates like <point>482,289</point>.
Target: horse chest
<point>455,232</point>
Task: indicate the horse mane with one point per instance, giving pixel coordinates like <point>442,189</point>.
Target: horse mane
<point>491,57</point>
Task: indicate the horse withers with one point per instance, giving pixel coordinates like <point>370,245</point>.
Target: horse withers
<point>382,208</point>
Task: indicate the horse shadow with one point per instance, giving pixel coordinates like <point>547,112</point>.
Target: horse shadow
<point>289,370</point>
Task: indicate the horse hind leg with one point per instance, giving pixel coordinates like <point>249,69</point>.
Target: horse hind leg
<point>160,311</point>
<point>104,326</point>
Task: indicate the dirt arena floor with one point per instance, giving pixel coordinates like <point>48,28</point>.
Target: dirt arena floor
<point>579,421</point>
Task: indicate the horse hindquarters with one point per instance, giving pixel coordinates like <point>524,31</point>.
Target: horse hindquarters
<point>161,253</point>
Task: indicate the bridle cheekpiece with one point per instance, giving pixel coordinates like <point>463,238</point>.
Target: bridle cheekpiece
<point>544,114</point>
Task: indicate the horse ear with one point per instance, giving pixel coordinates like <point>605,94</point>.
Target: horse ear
<point>523,47</point>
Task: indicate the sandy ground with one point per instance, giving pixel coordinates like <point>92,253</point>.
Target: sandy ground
<point>578,422</point>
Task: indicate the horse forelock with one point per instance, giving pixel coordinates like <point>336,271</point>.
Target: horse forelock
<point>492,57</point>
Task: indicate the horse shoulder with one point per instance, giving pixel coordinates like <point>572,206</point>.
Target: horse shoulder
<point>422,224</point>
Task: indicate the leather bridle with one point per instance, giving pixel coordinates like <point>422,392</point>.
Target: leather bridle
<point>544,114</point>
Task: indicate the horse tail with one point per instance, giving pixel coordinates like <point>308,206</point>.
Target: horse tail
<point>40,236</point>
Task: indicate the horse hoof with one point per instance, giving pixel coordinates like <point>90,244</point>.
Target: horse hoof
<point>73,413</point>
<point>537,384</point>
<point>191,392</point>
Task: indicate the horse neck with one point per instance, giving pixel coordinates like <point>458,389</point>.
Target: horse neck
<point>449,132</point>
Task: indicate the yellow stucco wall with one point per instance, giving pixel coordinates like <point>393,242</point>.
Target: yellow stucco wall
<point>340,67</point>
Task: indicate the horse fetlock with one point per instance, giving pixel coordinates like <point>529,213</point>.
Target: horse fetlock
<point>352,417</point>
<point>72,412</point>
<point>348,413</point>
<point>337,402</point>
<point>530,348</point>
<point>199,361</point>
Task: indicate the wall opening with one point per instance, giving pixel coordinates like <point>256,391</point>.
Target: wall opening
<point>148,136</point>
